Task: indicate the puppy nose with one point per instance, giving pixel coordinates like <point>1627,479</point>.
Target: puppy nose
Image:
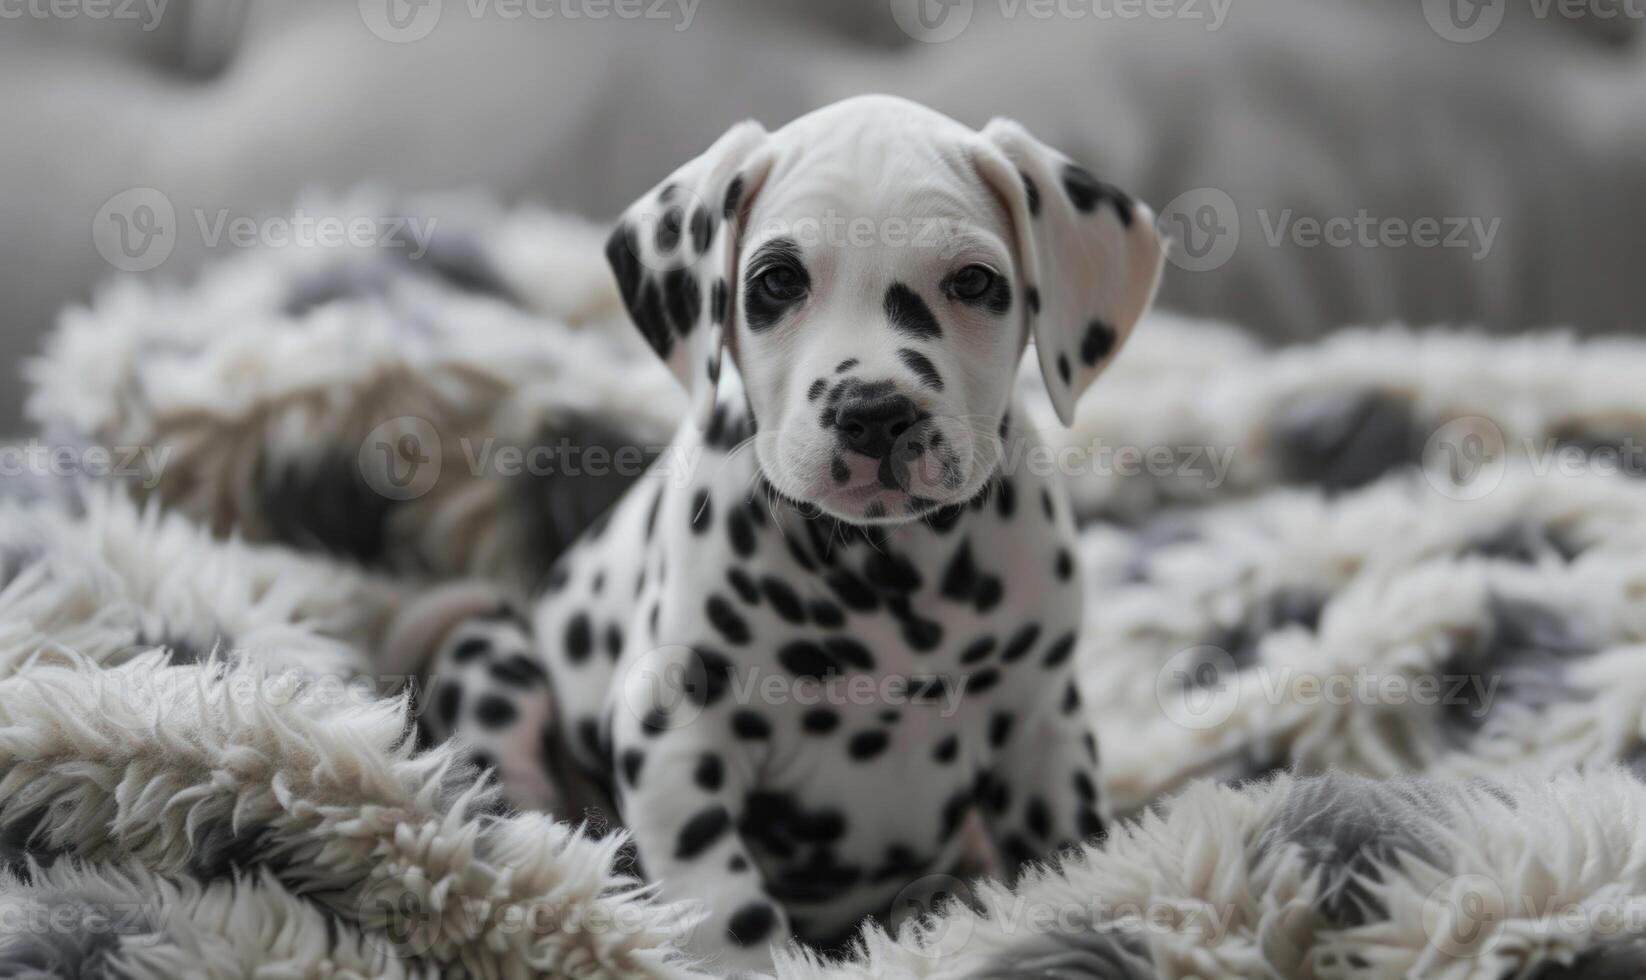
<point>872,424</point>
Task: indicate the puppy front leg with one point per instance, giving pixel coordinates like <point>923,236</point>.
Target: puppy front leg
<point>1041,795</point>
<point>680,796</point>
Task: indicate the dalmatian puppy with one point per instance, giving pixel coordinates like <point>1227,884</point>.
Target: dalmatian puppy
<point>795,667</point>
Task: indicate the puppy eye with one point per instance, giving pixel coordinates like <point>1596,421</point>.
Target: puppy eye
<point>971,283</point>
<point>782,283</point>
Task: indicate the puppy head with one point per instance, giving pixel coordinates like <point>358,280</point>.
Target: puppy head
<point>875,270</point>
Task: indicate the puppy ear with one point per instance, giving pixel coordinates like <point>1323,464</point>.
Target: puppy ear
<point>1089,254</point>
<point>675,253</point>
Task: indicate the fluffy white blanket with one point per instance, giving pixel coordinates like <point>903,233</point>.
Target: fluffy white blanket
<point>1364,645</point>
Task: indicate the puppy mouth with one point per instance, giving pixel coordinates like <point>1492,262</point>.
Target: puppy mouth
<point>896,486</point>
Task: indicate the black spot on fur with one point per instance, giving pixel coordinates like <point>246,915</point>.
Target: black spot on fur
<point>579,638</point>
<point>1032,191</point>
<point>448,701</point>
<point>709,773</point>
<point>783,599</point>
<point>1038,818</point>
<point>947,749</point>
<point>1064,564</point>
<point>633,759</point>
<point>866,745</point>
<point>1071,699</point>
<point>850,652</point>
<point>734,198</point>
<point>683,299</point>
<point>978,650</point>
<point>806,659</point>
<point>495,712</point>
<point>1086,193</point>
<point>982,681</point>
<point>1059,651</point>
<point>924,635</point>
<point>1032,297</point>
<point>668,230</point>
<point>909,313</point>
<point>892,573</point>
<point>826,614</point>
<point>852,591</point>
<point>740,533</point>
<point>1063,370</point>
<point>519,670</point>
<point>743,585</point>
<point>1018,646</point>
<point>719,300</point>
<point>1097,344</point>
<point>471,649</point>
<point>922,368</point>
<point>1000,729</point>
<point>700,832</point>
<point>845,365</point>
<point>750,725</point>
<point>701,514</point>
<point>751,924</point>
<point>716,678</point>
<point>820,720</point>
<point>702,226</point>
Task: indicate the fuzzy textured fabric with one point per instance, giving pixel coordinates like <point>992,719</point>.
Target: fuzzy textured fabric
<point>371,405</point>
<point>1364,643</point>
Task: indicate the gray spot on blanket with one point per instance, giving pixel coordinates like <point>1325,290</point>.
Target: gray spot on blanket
<point>19,842</point>
<point>1617,961</point>
<point>1344,440</point>
<point>460,261</point>
<point>1284,609</point>
<point>14,559</point>
<point>1521,660</point>
<point>350,280</point>
<point>185,649</point>
<point>84,937</point>
<point>1523,544</point>
<point>1622,453</point>
<point>220,851</point>
<point>596,466</point>
<point>1098,953</point>
<point>1349,828</point>
<point>325,505</point>
<point>456,261</point>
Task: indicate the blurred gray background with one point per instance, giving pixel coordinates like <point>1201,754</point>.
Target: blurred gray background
<point>1519,117</point>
